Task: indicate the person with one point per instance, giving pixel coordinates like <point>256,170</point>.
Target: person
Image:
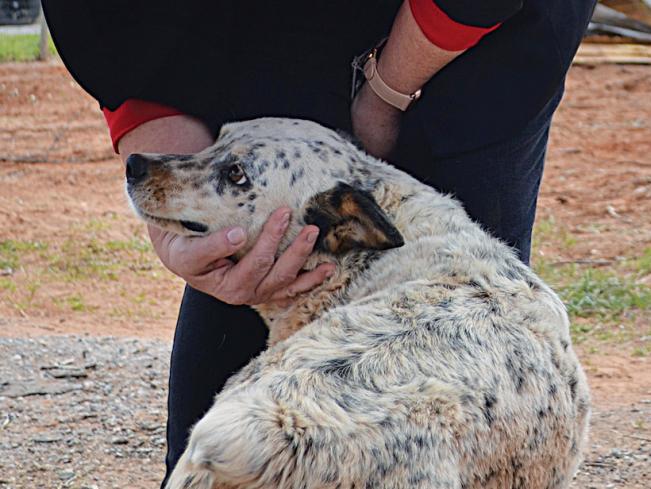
<point>168,74</point>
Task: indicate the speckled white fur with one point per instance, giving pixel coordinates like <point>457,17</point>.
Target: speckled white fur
<point>445,363</point>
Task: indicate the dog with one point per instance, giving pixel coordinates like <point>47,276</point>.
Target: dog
<point>432,358</point>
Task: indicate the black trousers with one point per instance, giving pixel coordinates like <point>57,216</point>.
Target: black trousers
<point>498,185</point>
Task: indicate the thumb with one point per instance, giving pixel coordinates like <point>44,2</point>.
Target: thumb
<point>221,244</point>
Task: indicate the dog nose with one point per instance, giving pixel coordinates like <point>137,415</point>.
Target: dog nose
<point>136,168</point>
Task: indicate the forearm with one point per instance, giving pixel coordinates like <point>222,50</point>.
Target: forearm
<point>178,134</point>
<point>409,58</point>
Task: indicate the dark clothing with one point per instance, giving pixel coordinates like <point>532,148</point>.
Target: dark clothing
<point>479,131</point>
<point>481,14</point>
<point>208,58</point>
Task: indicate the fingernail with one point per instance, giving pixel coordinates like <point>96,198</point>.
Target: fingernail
<point>235,236</point>
<point>284,221</point>
<point>330,273</point>
<point>311,237</point>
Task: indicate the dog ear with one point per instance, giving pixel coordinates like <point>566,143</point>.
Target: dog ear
<point>350,218</point>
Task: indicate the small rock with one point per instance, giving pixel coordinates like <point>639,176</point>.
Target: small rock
<point>617,453</point>
<point>36,388</point>
<point>158,440</point>
<point>47,438</point>
<point>66,475</point>
<point>68,373</point>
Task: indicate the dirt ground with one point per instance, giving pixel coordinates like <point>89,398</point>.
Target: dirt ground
<point>76,262</point>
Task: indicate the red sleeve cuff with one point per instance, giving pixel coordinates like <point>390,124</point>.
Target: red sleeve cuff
<point>442,30</point>
<point>131,114</point>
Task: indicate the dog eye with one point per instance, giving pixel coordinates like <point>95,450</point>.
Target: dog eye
<point>237,175</point>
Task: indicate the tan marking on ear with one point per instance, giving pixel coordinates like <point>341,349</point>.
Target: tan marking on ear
<point>350,218</point>
<point>349,207</point>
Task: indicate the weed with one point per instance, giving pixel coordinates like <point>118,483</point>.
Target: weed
<point>603,294</point>
<point>642,264</point>
<point>7,284</point>
<point>11,251</point>
<point>640,352</point>
<point>74,302</point>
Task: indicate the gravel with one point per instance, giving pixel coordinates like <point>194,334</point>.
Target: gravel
<point>86,412</point>
<point>82,412</point>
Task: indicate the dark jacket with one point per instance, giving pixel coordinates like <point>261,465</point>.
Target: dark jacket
<point>214,59</point>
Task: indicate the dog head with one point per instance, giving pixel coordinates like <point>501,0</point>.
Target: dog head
<point>255,167</point>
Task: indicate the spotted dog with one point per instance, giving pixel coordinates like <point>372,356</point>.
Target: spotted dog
<point>433,358</point>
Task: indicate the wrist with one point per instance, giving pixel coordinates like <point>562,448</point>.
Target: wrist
<point>371,102</point>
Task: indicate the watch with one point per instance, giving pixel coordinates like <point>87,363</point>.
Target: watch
<point>392,97</point>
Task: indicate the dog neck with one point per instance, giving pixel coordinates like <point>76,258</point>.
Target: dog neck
<point>283,320</point>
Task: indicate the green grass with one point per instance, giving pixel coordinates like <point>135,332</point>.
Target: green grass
<point>549,230</point>
<point>605,303</point>
<point>642,264</point>
<point>87,256</point>
<point>11,251</point>
<point>21,47</point>
<point>604,294</point>
<point>97,259</point>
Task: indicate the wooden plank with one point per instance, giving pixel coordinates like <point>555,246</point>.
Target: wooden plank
<point>594,54</point>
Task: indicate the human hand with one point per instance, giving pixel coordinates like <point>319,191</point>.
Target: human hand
<point>375,123</point>
<point>258,277</point>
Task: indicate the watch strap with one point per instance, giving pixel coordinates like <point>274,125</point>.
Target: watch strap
<point>392,97</point>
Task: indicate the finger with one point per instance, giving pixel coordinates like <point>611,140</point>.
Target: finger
<point>254,266</point>
<point>305,282</point>
<point>290,263</point>
<point>195,255</point>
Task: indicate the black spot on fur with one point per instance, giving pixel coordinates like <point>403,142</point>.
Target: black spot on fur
<point>296,175</point>
<point>188,481</point>
<point>516,372</point>
<point>250,208</point>
<point>338,367</point>
<point>573,383</point>
<point>184,166</point>
<point>263,167</point>
<point>574,449</point>
<point>252,196</point>
<point>489,402</point>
